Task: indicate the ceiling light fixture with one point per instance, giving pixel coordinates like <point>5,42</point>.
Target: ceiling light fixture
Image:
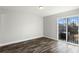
<point>41,7</point>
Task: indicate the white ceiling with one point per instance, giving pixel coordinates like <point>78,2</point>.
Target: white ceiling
<point>46,11</point>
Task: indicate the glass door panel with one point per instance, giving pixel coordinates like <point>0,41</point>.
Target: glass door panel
<point>73,29</point>
<point>62,29</point>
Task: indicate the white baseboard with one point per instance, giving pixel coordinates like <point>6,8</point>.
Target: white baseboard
<point>51,38</point>
<point>4,44</point>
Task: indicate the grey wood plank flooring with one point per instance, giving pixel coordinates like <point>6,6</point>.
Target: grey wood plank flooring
<point>40,45</point>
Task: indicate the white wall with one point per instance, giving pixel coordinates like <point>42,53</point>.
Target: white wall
<point>15,27</point>
<point>50,30</point>
<point>19,26</point>
<point>50,23</point>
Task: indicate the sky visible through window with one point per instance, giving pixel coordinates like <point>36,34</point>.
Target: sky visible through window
<point>70,20</point>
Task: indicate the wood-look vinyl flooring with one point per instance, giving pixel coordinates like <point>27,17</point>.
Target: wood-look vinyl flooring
<point>40,45</point>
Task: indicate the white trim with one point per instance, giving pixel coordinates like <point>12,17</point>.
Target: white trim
<point>72,44</point>
<point>19,41</point>
<point>69,43</point>
<point>59,17</point>
<point>66,30</point>
<point>50,37</point>
<point>57,30</point>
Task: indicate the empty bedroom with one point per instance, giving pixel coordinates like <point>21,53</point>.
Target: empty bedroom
<point>39,29</point>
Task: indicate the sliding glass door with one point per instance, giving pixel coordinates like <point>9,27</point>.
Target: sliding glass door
<point>73,29</point>
<point>68,29</point>
<point>62,29</point>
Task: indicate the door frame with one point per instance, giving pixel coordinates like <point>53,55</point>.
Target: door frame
<point>58,29</point>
